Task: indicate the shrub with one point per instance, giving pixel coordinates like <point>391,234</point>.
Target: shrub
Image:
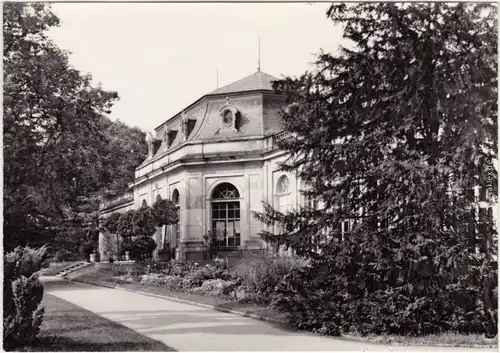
<point>143,247</point>
<point>63,255</point>
<point>125,224</point>
<point>320,300</point>
<point>260,275</point>
<point>88,248</point>
<point>173,283</point>
<point>144,223</point>
<point>214,287</point>
<point>165,212</point>
<point>124,279</point>
<point>197,277</point>
<point>150,279</point>
<point>126,245</point>
<point>153,266</point>
<point>22,294</point>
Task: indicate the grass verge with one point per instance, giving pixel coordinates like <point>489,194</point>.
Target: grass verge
<point>445,339</point>
<point>67,327</point>
<point>103,277</point>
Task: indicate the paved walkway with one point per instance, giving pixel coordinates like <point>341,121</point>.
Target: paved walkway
<point>187,327</point>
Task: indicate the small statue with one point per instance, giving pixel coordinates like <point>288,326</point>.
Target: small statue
<point>166,138</point>
<point>150,140</point>
<point>184,125</point>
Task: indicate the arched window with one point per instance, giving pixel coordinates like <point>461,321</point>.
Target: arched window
<point>283,185</point>
<point>144,203</point>
<point>176,229</point>
<point>282,202</point>
<point>226,215</point>
<point>283,194</point>
<point>175,197</point>
<point>225,191</point>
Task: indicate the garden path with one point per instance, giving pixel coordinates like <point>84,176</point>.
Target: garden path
<point>187,327</point>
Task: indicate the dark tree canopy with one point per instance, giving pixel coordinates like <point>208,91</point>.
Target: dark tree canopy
<point>126,224</point>
<point>391,136</point>
<point>144,222</point>
<point>60,151</point>
<point>110,224</point>
<point>165,212</point>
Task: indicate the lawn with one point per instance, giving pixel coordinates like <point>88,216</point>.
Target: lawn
<point>67,327</point>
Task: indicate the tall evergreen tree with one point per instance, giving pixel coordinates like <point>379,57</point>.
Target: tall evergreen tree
<point>391,135</point>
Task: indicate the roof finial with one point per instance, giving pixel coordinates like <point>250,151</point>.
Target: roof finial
<point>258,63</point>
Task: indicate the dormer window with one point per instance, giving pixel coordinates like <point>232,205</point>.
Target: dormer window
<point>187,125</point>
<point>190,126</point>
<point>228,114</point>
<point>169,137</point>
<point>153,144</point>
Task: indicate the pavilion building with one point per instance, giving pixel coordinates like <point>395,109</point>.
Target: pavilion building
<point>217,160</point>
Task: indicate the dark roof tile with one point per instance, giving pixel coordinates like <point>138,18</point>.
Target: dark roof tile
<point>256,81</point>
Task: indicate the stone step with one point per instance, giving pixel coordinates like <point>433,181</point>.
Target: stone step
<point>70,269</point>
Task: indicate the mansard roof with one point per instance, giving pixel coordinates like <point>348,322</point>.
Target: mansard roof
<point>255,106</point>
<point>256,81</point>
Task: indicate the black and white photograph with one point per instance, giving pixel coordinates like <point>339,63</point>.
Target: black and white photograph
<point>250,176</point>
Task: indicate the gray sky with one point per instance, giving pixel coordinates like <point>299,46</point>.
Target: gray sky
<point>162,57</point>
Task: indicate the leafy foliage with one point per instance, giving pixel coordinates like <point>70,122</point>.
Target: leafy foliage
<point>143,247</point>
<point>22,294</point>
<point>127,244</point>
<point>60,150</point>
<point>165,212</point>
<point>391,136</point>
<point>63,255</point>
<point>214,287</point>
<point>126,224</point>
<point>88,248</point>
<point>144,222</point>
<point>111,223</point>
<point>262,274</point>
<point>125,148</point>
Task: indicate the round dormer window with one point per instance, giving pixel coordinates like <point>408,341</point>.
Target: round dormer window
<point>228,117</point>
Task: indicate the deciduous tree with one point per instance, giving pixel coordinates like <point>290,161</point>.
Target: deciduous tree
<point>59,147</point>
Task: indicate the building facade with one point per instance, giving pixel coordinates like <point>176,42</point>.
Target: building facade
<point>218,161</point>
